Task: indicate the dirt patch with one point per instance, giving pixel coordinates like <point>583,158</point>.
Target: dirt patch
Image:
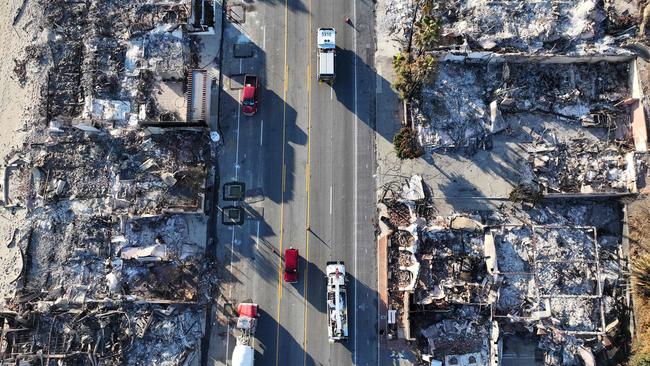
<point>639,220</point>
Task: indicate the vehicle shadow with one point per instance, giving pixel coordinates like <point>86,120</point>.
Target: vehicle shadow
<point>292,5</point>
<point>315,286</point>
<point>267,349</point>
<point>344,86</point>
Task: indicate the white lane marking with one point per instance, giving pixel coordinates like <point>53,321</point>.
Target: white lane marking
<point>237,149</point>
<point>330,200</point>
<point>261,132</point>
<point>331,93</point>
<point>257,236</point>
<point>240,65</point>
<point>356,135</point>
<point>263,37</point>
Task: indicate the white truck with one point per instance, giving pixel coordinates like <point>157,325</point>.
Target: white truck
<point>326,40</point>
<point>244,354</point>
<point>337,303</point>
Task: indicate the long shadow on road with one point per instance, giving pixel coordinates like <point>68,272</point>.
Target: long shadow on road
<point>293,5</point>
<point>265,353</point>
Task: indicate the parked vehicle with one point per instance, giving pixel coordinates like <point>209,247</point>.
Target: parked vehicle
<point>337,304</point>
<point>250,95</point>
<point>291,258</point>
<point>244,354</point>
<point>326,41</point>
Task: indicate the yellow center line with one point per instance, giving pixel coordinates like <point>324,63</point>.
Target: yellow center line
<point>307,187</point>
<point>284,133</point>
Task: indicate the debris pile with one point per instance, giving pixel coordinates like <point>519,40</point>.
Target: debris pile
<point>398,18</point>
<point>109,59</point>
<point>452,267</point>
<point>541,27</point>
<point>124,170</point>
<point>539,272</point>
<point>457,109</point>
<point>109,265</point>
<point>459,337</point>
<point>102,334</point>
<point>571,121</point>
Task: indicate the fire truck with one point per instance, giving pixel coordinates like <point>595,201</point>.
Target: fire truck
<point>337,303</point>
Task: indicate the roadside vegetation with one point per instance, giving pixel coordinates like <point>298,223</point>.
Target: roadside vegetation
<point>412,72</point>
<point>639,221</point>
<point>406,144</point>
<point>414,67</point>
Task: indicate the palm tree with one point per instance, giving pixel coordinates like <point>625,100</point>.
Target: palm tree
<point>641,273</point>
<point>411,73</point>
<point>427,33</point>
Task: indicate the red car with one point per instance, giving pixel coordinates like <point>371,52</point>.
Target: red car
<point>250,95</point>
<point>291,265</point>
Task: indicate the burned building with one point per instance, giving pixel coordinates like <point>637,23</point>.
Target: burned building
<point>122,64</point>
<point>467,288</point>
<point>112,268</point>
<point>540,27</point>
<point>570,125</point>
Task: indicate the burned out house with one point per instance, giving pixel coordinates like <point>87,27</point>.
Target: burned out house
<point>548,282</point>
<point>112,268</point>
<point>569,126</point>
<point>533,126</point>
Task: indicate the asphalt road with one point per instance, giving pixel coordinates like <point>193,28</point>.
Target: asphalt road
<point>307,160</point>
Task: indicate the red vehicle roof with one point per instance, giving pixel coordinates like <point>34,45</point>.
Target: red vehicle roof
<point>249,93</point>
<point>247,309</point>
<point>291,265</point>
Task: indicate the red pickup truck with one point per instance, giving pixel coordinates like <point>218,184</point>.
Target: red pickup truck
<point>250,95</point>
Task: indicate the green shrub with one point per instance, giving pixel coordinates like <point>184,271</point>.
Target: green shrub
<point>406,144</point>
<point>641,273</point>
<point>412,72</point>
<point>427,33</point>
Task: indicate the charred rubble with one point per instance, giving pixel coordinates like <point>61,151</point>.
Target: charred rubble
<point>532,111</point>
<point>469,287</point>
<point>571,122</point>
<point>112,268</point>
<point>540,27</point>
<point>119,63</point>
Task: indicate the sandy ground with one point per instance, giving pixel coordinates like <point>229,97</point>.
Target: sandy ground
<point>639,219</point>
<point>19,27</point>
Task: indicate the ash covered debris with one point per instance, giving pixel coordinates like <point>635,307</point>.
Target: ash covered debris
<point>459,337</point>
<point>112,267</point>
<point>399,17</point>
<point>102,334</point>
<point>452,268</point>
<point>124,170</point>
<point>538,27</point>
<point>456,107</point>
<point>110,60</point>
<point>538,273</point>
<point>570,123</point>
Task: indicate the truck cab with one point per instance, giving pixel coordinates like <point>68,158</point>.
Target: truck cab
<point>243,354</point>
<point>250,95</point>
<point>326,40</point>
